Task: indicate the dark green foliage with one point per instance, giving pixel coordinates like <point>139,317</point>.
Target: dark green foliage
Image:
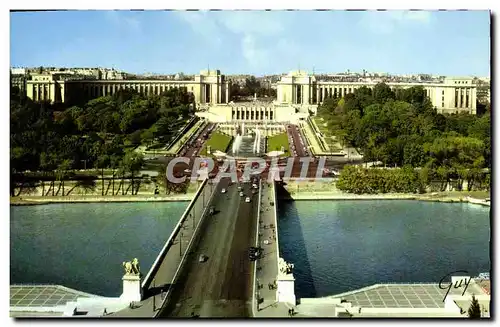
<point>97,134</point>
<point>371,181</point>
<point>474,311</point>
<point>401,128</point>
<point>252,86</point>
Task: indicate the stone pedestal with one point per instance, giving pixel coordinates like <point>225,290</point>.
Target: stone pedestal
<point>285,283</point>
<point>286,289</point>
<point>131,288</point>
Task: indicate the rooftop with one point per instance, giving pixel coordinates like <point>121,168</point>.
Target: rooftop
<point>405,295</point>
<point>33,296</point>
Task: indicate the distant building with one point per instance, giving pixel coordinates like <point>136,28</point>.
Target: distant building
<point>298,93</point>
<point>18,71</point>
<point>207,87</point>
<point>453,95</point>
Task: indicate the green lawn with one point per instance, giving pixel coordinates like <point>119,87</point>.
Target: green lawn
<point>217,141</point>
<point>274,143</point>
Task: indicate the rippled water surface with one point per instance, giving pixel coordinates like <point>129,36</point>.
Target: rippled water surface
<point>338,246</point>
<point>82,246</point>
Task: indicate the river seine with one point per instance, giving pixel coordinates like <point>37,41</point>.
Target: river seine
<point>336,246</point>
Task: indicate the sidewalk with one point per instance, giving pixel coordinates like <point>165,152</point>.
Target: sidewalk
<point>267,266</point>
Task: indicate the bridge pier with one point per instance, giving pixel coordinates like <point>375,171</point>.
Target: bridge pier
<point>286,283</point>
<point>131,288</point>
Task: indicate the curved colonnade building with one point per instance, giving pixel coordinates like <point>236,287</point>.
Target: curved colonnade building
<point>298,94</point>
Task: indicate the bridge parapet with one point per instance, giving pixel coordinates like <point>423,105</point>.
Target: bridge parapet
<point>182,232</point>
<point>285,280</point>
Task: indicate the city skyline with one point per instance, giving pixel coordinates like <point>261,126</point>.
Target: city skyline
<point>257,43</point>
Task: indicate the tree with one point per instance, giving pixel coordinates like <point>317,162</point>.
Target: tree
<point>382,92</point>
<point>252,85</point>
<point>62,170</point>
<point>474,311</point>
<point>102,162</point>
<point>132,162</point>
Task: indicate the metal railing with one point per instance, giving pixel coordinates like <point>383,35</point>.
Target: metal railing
<point>186,252</point>
<point>156,265</point>
<point>255,300</point>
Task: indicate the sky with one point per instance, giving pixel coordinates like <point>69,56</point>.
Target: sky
<point>454,43</point>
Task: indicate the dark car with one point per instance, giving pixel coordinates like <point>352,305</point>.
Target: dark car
<point>254,253</point>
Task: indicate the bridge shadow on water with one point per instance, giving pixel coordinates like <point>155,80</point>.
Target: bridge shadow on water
<point>292,244</point>
<point>157,289</point>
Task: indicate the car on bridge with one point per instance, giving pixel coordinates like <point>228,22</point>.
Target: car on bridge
<point>254,253</point>
<point>202,258</point>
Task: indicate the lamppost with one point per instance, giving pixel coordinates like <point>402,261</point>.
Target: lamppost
<point>154,297</point>
<point>180,244</point>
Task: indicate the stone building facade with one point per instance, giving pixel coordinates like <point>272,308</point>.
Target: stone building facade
<point>454,95</point>
<point>298,94</point>
<point>209,87</point>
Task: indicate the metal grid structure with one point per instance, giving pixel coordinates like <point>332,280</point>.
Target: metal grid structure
<point>42,295</point>
<point>401,296</point>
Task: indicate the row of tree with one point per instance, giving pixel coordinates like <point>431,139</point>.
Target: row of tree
<point>401,127</point>
<point>359,180</point>
<point>251,87</point>
<point>99,134</point>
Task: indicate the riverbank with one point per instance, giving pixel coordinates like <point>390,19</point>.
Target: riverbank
<point>305,194</point>
<point>315,191</point>
<point>434,197</point>
<point>37,200</point>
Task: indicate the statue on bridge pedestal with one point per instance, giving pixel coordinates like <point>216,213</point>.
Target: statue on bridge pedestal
<point>285,268</point>
<point>132,267</point>
<point>131,281</point>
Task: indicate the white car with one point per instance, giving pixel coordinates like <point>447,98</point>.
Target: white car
<point>255,186</point>
<point>223,190</point>
<point>241,194</point>
<point>247,200</point>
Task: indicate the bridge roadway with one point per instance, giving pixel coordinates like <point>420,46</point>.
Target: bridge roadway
<point>222,285</point>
